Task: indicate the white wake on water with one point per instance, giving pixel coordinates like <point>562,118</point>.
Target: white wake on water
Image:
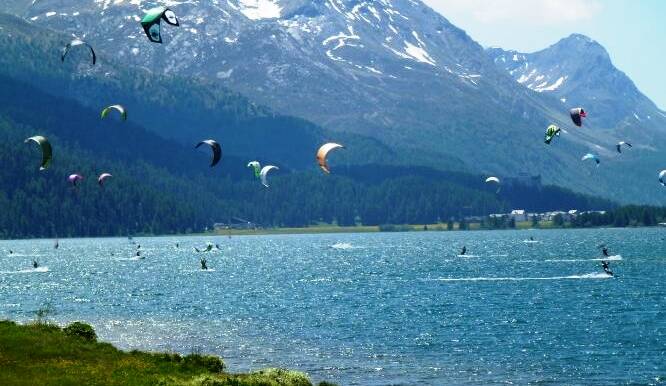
<point>609,258</point>
<point>342,246</point>
<point>596,275</point>
<point>30,270</point>
<point>135,258</point>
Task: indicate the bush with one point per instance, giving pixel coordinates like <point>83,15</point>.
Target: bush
<point>210,363</point>
<point>7,323</point>
<point>81,330</point>
<point>45,327</point>
<point>284,377</point>
<point>170,357</point>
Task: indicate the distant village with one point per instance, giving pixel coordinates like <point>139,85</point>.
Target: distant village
<point>520,215</point>
<point>517,218</point>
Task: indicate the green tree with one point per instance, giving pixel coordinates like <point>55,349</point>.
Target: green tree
<point>558,220</point>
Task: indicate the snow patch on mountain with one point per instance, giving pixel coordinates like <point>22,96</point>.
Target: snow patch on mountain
<point>524,78</point>
<point>545,87</point>
<point>526,74</point>
<point>373,70</point>
<point>225,74</point>
<point>260,9</point>
<point>418,53</point>
<point>341,39</point>
<point>296,26</point>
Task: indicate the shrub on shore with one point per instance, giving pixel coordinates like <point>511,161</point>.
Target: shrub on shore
<point>211,363</point>
<point>265,377</point>
<point>81,330</point>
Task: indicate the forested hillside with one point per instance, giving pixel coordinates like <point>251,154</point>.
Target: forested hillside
<point>394,71</point>
<point>161,184</point>
<point>183,109</point>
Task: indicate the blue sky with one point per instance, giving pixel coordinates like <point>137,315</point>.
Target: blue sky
<point>633,31</point>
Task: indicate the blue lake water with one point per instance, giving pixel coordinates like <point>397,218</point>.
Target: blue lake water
<point>370,309</point>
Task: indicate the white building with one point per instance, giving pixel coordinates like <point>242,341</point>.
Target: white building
<point>518,215</point>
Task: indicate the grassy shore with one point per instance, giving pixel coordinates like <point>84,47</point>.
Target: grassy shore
<point>45,354</point>
<point>327,228</point>
<point>315,229</point>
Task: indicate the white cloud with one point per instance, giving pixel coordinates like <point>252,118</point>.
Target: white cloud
<point>526,12</point>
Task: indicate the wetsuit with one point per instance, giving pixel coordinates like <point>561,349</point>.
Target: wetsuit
<point>464,250</point>
<point>34,264</point>
<point>605,251</point>
<point>204,266</point>
<point>604,265</point>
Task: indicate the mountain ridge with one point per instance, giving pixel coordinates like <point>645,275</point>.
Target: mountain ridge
<point>163,185</point>
<point>592,81</point>
<point>394,71</point>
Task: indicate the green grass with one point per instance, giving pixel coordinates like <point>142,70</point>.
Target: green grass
<point>304,230</point>
<point>44,354</point>
<point>328,228</point>
<point>332,228</point>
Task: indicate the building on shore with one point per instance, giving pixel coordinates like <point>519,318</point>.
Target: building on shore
<point>521,215</point>
<point>518,215</point>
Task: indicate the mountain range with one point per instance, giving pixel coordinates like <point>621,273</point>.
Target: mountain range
<point>393,79</point>
<point>578,72</point>
<point>162,184</point>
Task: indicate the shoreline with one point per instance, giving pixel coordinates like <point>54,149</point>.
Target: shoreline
<point>334,229</point>
<point>73,355</point>
<point>393,228</point>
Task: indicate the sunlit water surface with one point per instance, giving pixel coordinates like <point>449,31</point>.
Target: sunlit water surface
<point>369,309</point>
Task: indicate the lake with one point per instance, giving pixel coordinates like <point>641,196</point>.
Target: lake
<point>369,309</point>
